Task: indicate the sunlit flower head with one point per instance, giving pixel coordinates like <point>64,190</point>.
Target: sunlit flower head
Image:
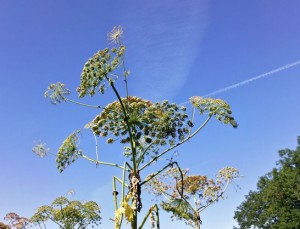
<point>41,149</point>
<point>71,192</point>
<point>116,34</point>
<point>195,99</point>
<point>228,173</point>
<point>57,93</point>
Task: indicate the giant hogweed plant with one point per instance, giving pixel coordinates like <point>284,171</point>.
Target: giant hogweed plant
<point>148,130</point>
<point>66,214</point>
<point>186,196</point>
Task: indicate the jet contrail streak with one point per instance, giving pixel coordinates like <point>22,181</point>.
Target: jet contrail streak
<point>254,78</point>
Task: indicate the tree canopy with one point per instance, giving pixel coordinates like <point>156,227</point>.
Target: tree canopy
<point>276,203</point>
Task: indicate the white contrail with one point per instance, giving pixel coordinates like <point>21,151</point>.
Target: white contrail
<point>254,78</point>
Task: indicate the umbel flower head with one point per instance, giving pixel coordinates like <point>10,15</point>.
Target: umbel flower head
<point>15,221</point>
<point>68,151</point>
<point>95,76</point>
<point>115,35</point>
<point>155,124</point>
<point>215,107</point>
<point>40,149</point>
<point>71,192</point>
<point>57,92</point>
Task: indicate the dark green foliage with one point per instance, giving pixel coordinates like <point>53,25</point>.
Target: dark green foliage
<point>276,203</point>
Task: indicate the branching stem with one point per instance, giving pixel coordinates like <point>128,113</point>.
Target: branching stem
<point>216,198</point>
<point>132,143</point>
<point>143,153</point>
<point>82,104</point>
<point>101,162</point>
<point>152,208</point>
<point>180,143</point>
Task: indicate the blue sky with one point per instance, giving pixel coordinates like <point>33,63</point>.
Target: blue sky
<point>176,49</point>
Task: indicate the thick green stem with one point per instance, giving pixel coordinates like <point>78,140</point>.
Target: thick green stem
<point>119,223</point>
<point>121,182</point>
<point>132,143</point>
<point>134,221</point>
<point>123,188</point>
<point>115,193</point>
<point>129,166</point>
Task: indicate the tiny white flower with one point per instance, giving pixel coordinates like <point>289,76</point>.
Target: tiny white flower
<point>115,35</point>
<point>40,149</point>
